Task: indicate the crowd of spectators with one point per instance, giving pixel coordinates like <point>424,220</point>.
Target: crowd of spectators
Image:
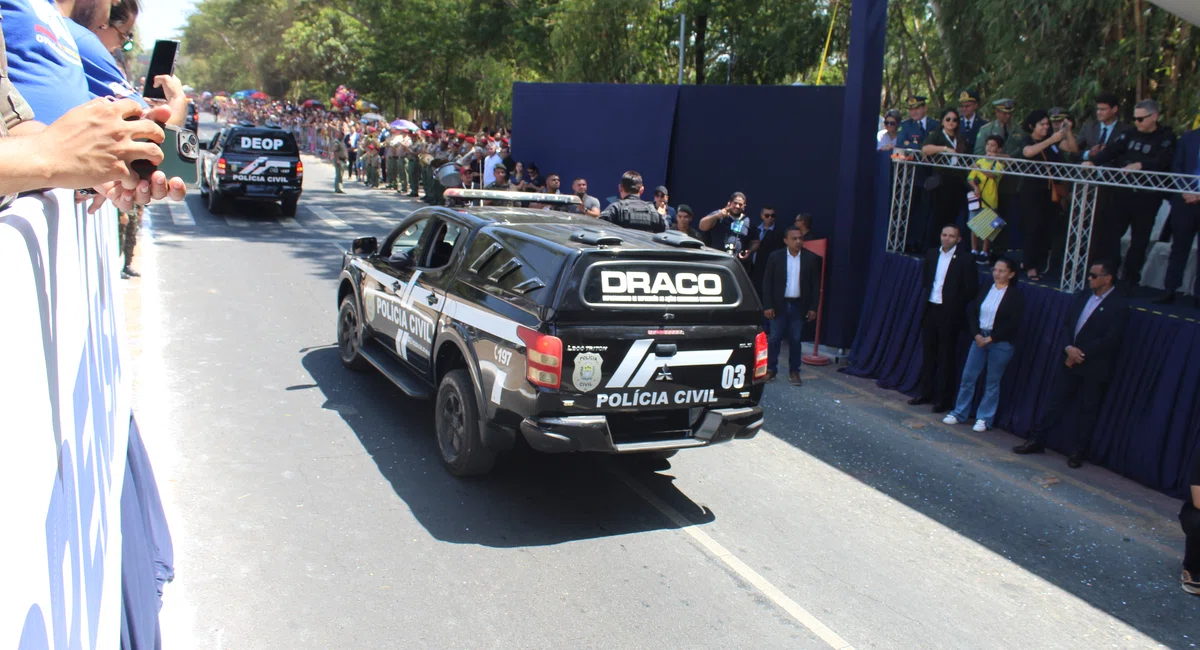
<point>1035,211</point>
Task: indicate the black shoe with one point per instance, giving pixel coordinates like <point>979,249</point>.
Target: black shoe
<point>1190,584</point>
<point>794,377</point>
<point>1075,461</point>
<point>1029,447</point>
<point>941,408</point>
<point>1168,298</point>
<point>128,272</point>
<point>917,401</point>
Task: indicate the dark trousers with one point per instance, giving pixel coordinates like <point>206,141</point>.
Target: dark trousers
<point>1069,385</point>
<point>789,321</point>
<point>948,202</point>
<point>352,157</point>
<point>1129,210</point>
<point>1185,224</point>
<point>1038,214</point>
<point>940,328</point>
<point>1189,518</point>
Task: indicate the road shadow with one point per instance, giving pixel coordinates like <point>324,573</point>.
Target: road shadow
<point>530,499</point>
<point>1117,559</point>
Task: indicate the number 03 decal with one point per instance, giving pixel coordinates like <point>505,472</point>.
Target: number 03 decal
<point>733,377</point>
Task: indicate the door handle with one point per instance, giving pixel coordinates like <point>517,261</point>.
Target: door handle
<point>396,285</point>
<point>432,299</point>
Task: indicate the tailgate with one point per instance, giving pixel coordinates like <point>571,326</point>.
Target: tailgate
<point>264,170</point>
<point>632,368</point>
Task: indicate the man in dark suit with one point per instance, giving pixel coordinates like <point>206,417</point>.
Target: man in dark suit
<point>1185,219</point>
<point>1090,339</point>
<point>766,238</point>
<point>1095,135</point>
<point>950,283</point>
<point>790,294</point>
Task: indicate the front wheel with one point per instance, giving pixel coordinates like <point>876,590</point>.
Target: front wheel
<point>458,436</point>
<point>347,336</point>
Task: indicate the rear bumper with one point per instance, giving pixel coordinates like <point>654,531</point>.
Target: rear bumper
<point>242,192</point>
<point>591,432</point>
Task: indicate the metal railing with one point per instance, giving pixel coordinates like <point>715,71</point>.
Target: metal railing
<point>1085,180</point>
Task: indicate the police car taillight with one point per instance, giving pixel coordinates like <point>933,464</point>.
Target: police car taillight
<point>543,358</point>
<point>299,169</point>
<point>760,355</point>
<point>221,166</point>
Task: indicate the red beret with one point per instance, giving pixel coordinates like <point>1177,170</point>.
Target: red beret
<point>503,140</point>
<point>450,131</point>
<point>470,140</point>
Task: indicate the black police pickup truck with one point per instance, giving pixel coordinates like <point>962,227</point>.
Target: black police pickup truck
<point>574,334</point>
<point>253,163</point>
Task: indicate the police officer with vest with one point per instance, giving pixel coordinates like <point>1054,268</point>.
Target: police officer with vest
<point>631,211</point>
<point>1148,147</point>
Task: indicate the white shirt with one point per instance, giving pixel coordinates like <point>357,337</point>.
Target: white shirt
<point>489,168</point>
<point>792,288</point>
<point>991,304</point>
<point>939,278</point>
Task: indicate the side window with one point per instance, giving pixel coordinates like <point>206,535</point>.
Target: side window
<point>441,245</point>
<point>496,265</point>
<point>408,241</point>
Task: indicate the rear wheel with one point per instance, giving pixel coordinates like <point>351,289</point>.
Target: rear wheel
<point>216,202</point>
<point>347,336</point>
<point>288,207</point>
<point>458,435</point>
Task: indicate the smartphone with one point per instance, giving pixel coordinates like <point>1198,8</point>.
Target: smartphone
<point>180,149</point>
<point>161,62</point>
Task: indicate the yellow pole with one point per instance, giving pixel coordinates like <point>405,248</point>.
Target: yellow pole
<point>828,38</point>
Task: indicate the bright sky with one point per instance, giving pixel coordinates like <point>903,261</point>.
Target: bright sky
<point>162,19</point>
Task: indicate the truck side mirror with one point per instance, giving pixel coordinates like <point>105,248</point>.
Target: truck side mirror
<point>364,245</point>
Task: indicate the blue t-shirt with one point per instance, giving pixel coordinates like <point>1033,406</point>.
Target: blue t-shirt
<point>104,75</point>
<point>43,59</point>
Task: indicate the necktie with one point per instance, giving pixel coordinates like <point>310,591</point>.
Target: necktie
<point>1104,131</point>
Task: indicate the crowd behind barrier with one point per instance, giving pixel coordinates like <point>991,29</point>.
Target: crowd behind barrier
<point>88,518</point>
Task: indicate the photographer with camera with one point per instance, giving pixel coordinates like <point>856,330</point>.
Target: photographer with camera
<point>728,229</point>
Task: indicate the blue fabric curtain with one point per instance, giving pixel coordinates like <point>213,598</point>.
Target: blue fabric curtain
<point>1149,427</point>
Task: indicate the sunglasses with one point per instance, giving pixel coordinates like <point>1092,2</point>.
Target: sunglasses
<point>889,122</point>
<point>126,38</point>
<point>1143,118</point>
<point>1096,275</point>
<point>768,215</point>
<point>950,119</point>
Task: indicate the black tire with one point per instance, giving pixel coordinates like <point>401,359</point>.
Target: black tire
<point>216,202</point>
<point>348,336</point>
<point>288,207</point>
<point>457,420</point>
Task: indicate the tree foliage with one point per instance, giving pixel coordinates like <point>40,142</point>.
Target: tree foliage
<point>456,60</point>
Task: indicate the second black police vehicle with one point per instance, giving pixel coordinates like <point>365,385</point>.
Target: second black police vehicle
<point>573,334</point>
<point>253,163</point>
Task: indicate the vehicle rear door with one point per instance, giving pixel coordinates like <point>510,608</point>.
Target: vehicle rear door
<point>266,160</point>
<point>665,332</point>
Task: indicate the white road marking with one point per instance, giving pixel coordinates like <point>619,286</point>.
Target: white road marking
<point>237,222</point>
<point>181,215</point>
<point>764,586</point>
<point>328,217</point>
<point>290,223</point>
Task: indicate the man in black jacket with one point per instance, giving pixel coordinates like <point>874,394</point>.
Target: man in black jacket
<point>1090,340</point>
<point>790,294</point>
<point>631,211</point>
<point>1148,147</point>
<point>1189,518</point>
<point>950,283</point>
<point>764,240</point>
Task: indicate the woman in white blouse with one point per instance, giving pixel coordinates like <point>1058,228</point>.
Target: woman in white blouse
<point>993,319</point>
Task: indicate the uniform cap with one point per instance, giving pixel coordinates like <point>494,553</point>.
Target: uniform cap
<point>1058,114</point>
<point>916,101</point>
<point>968,95</point>
<point>1004,105</point>
<point>500,166</point>
<point>470,140</point>
<point>661,189</point>
<point>450,132</point>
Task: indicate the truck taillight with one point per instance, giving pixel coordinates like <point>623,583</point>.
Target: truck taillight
<point>760,356</point>
<point>543,358</point>
<point>299,169</point>
<point>221,166</point>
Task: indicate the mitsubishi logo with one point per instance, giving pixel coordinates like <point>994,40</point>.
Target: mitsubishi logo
<point>664,374</point>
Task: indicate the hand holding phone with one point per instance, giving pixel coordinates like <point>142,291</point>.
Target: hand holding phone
<point>162,62</point>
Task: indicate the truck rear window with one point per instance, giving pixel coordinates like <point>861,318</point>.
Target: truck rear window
<point>280,142</point>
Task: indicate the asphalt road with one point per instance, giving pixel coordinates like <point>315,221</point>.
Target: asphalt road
<point>309,508</point>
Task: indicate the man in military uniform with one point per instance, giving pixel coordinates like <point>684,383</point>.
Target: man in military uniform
<point>914,130</point>
<point>969,122</point>
<point>371,159</point>
<point>340,157</point>
<point>414,162</point>
<point>1001,126</point>
<point>500,184</point>
<point>393,163</point>
<point>129,222</point>
<point>631,211</point>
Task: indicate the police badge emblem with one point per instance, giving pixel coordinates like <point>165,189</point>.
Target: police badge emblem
<point>587,371</point>
<point>369,307</point>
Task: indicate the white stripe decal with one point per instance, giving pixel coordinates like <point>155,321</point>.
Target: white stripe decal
<point>680,360</point>
<point>498,379</point>
<point>629,363</point>
<point>402,344</point>
<point>486,321</point>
